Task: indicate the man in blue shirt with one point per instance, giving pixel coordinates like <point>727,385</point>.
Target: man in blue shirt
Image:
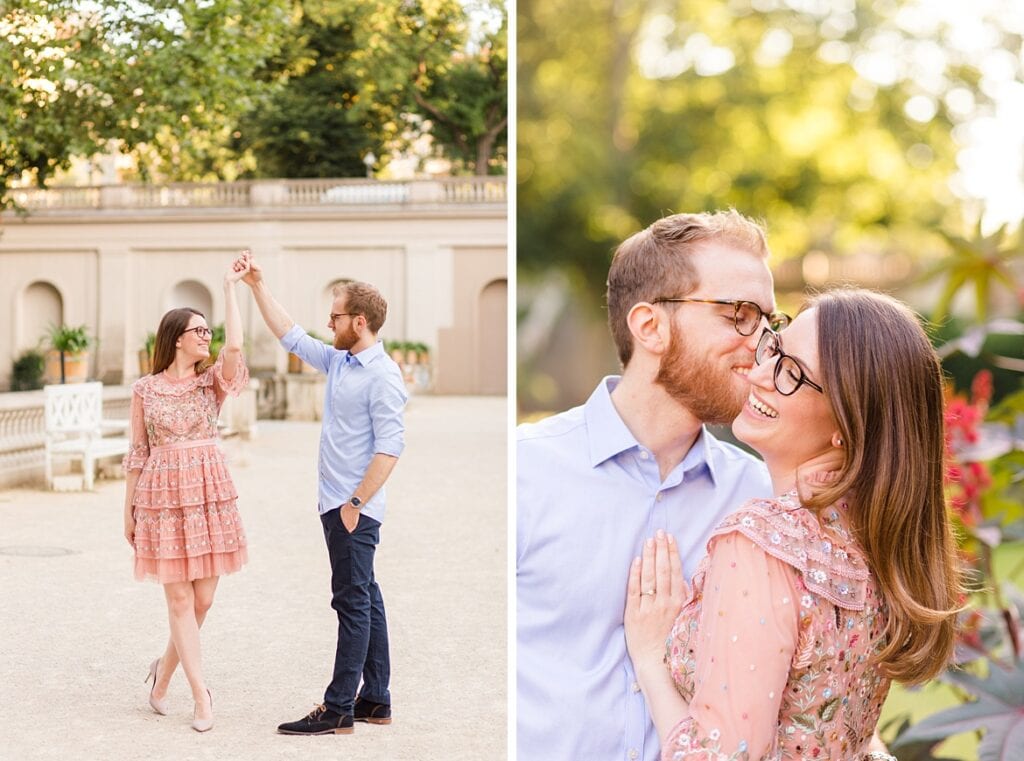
<point>360,442</point>
<point>687,299</point>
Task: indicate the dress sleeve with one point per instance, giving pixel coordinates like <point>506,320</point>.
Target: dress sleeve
<point>233,387</point>
<point>138,437</point>
<point>748,633</point>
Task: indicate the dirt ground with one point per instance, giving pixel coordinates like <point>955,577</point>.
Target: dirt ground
<point>77,631</point>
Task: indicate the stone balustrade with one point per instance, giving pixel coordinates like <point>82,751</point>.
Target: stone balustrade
<point>357,193</point>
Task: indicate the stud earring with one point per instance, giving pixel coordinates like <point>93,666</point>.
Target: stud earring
<point>837,441</point>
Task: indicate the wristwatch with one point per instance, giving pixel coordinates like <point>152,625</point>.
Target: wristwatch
<point>355,502</point>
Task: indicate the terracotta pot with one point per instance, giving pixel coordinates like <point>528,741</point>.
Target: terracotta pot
<point>411,357</point>
<point>294,363</point>
<point>76,367</point>
<point>145,362</point>
<point>398,355</point>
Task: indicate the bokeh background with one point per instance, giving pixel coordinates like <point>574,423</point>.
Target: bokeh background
<point>863,133</point>
<point>882,143</point>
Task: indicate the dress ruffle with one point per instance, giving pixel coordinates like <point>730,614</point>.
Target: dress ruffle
<point>824,552</point>
<point>187,525</point>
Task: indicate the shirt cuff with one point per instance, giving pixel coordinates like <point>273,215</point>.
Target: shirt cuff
<point>291,338</point>
<point>392,447</point>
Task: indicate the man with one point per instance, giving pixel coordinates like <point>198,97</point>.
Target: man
<point>687,300</point>
<point>360,442</point>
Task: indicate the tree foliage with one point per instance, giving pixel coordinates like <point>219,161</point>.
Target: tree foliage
<point>422,57</point>
<point>165,78</point>
<point>214,88</point>
<point>306,125</point>
<point>818,117</point>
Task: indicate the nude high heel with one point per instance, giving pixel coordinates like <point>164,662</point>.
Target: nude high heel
<point>203,725</point>
<point>160,706</point>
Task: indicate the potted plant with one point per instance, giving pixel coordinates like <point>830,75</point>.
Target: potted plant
<point>68,359</point>
<point>423,352</point>
<point>27,371</point>
<point>217,341</point>
<point>397,351</point>
<point>146,354</point>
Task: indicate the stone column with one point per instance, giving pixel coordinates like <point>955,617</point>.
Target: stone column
<point>117,352</point>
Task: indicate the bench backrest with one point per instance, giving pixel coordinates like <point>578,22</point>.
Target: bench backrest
<point>73,408</point>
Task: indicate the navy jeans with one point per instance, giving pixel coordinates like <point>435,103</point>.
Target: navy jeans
<point>362,627</point>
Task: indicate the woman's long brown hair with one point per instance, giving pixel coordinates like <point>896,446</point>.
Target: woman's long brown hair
<point>172,325</point>
<point>884,383</point>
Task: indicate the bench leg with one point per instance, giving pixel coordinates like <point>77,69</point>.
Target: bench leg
<point>48,468</point>
<point>88,471</point>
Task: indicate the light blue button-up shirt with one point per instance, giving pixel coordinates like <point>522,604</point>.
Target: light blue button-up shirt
<point>363,416</point>
<point>588,496</point>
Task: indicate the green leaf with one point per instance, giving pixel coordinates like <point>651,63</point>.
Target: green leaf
<point>804,721</point>
<point>827,711</point>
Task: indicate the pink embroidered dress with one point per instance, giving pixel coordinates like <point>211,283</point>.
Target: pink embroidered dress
<point>772,648</point>
<point>187,525</point>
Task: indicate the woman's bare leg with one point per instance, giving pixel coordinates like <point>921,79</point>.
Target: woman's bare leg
<point>181,600</point>
<point>203,590</point>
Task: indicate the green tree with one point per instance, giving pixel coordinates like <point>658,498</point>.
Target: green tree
<point>421,57</point>
<point>166,79</point>
<point>305,125</point>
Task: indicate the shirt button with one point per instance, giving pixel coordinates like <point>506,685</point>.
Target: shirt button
<point>635,687</point>
<point>660,495</point>
<point>643,454</point>
<point>634,753</point>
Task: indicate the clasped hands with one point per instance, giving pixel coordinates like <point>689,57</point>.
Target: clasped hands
<point>244,268</point>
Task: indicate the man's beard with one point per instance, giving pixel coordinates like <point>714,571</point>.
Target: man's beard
<point>345,340</point>
<point>699,384</point>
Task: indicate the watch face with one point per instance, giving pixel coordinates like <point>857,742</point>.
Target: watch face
<point>355,502</point>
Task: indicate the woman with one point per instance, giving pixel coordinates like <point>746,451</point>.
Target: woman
<point>807,605</point>
<point>179,510</point>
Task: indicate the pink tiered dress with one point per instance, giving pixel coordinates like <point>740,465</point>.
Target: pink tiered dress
<point>187,525</point>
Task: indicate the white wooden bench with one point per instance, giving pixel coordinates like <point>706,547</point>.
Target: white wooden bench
<point>73,416</point>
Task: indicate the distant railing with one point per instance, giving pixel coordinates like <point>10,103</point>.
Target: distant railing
<point>459,191</point>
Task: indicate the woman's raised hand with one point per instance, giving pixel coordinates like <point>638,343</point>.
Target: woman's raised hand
<point>655,594</point>
<point>239,268</point>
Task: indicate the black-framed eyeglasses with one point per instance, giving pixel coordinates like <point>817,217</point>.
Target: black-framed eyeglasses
<point>342,314</point>
<point>200,331</point>
<point>789,374</point>
<point>746,315</point>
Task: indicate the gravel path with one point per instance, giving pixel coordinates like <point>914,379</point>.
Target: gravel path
<point>77,632</point>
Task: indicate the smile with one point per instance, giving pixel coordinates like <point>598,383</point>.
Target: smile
<point>743,370</point>
<point>761,407</point>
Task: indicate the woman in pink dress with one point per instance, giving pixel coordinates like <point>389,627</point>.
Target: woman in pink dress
<point>808,604</point>
<point>180,515</point>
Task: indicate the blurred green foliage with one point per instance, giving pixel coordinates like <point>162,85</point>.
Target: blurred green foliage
<point>632,110</point>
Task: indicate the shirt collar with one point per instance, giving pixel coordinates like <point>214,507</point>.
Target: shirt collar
<point>367,355</point>
<point>606,433</point>
<point>608,436</point>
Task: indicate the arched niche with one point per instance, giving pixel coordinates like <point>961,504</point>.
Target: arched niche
<point>42,307</point>
<point>190,293</point>
<point>492,338</point>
